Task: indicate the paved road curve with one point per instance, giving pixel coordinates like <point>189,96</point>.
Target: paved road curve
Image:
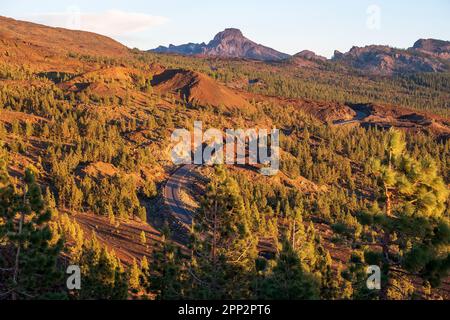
<point>172,194</point>
<point>360,115</point>
<point>180,179</point>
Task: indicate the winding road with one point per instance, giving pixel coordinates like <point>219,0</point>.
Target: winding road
<point>181,179</point>
<point>172,194</point>
<point>360,115</point>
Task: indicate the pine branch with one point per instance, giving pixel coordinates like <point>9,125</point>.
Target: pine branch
<point>6,269</point>
<point>403,272</point>
<point>196,278</point>
<point>6,293</point>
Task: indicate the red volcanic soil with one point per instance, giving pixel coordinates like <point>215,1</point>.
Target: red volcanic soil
<point>123,238</point>
<point>366,114</point>
<point>53,49</point>
<point>58,40</point>
<point>199,88</point>
<point>8,116</point>
<point>399,117</point>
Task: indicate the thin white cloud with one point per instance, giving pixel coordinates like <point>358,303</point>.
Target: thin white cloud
<point>113,23</point>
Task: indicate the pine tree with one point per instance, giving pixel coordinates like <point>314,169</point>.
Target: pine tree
<point>357,276</point>
<point>297,228</point>
<point>167,279</point>
<point>414,202</point>
<point>287,280</point>
<point>144,264</point>
<point>224,248</point>
<point>143,238</point>
<point>102,273</point>
<point>334,286</point>
<point>29,129</point>
<point>134,278</point>
<point>33,271</point>
<point>145,274</point>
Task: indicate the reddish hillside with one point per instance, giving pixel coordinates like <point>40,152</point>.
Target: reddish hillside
<point>199,88</point>
<point>35,43</point>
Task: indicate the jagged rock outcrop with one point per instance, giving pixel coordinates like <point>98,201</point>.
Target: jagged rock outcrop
<point>437,48</point>
<point>309,55</point>
<point>229,43</point>
<point>384,60</point>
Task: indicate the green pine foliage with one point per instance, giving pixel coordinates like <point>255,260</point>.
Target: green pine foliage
<point>29,262</point>
<point>413,226</point>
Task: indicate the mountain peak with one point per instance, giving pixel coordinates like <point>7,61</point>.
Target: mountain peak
<point>229,33</point>
<point>228,37</point>
<point>230,43</point>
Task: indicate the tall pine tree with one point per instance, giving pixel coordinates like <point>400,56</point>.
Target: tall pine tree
<point>29,263</point>
<point>414,231</point>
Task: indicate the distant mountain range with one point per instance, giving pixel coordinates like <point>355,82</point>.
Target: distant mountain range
<point>229,43</point>
<point>427,55</point>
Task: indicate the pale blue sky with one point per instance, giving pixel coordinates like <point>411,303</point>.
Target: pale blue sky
<point>286,25</point>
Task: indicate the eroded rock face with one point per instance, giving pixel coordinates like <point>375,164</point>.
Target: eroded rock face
<point>437,48</point>
<point>385,60</point>
<point>229,43</point>
<point>309,55</point>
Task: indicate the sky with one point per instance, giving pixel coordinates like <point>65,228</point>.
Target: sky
<point>289,26</point>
